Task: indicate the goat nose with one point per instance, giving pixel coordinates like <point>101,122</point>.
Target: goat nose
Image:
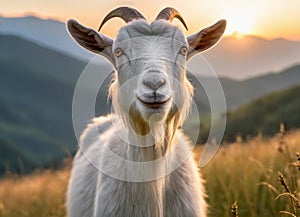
<point>154,84</point>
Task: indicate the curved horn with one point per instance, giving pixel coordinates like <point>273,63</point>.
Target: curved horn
<point>126,13</point>
<point>169,14</point>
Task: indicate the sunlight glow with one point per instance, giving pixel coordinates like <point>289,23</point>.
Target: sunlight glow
<point>240,21</point>
<point>268,18</point>
<point>238,35</point>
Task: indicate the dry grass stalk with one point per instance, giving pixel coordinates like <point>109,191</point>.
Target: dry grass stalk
<point>297,163</point>
<point>291,191</point>
<point>283,182</point>
<point>234,209</point>
<point>287,213</point>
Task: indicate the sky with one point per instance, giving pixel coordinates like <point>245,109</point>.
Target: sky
<point>264,18</point>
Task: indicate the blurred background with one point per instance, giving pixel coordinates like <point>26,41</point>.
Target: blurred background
<point>257,62</point>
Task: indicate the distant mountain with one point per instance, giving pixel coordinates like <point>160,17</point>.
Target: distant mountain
<point>252,56</point>
<point>265,114</point>
<point>241,92</point>
<point>238,92</point>
<point>48,33</point>
<point>241,58</point>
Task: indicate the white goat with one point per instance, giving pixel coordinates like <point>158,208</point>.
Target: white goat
<point>137,162</point>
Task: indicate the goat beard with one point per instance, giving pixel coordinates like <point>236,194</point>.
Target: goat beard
<point>155,138</point>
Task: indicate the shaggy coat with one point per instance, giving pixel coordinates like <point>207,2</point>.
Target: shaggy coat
<point>92,193</point>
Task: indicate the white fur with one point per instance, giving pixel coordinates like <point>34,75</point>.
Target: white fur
<point>92,193</point>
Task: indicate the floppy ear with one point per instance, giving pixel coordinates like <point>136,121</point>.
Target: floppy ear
<point>92,40</point>
<point>205,38</point>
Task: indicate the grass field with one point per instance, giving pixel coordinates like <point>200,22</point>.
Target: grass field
<point>245,171</point>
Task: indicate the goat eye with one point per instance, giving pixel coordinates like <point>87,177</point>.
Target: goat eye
<point>183,51</point>
<point>118,52</point>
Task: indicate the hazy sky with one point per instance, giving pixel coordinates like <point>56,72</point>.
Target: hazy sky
<point>267,18</point>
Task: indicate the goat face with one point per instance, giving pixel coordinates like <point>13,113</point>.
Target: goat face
<point>149,60</point>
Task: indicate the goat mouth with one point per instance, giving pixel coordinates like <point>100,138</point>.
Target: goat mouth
<point>153,101</point>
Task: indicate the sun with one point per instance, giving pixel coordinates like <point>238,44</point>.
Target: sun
<point>240,21</point>
<point>238,35</point>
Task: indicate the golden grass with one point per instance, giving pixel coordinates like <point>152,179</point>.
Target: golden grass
<point>37,195</point>
<point>246,172</point>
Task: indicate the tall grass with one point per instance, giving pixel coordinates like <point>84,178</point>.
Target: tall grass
<point>38,195</point>
<point>247,172</point>
<point>244,171</point>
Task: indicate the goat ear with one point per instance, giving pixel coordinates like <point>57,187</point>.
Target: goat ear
<point>205,38</point>
<point>92,40</point>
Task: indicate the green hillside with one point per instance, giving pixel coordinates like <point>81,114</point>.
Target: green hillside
<point>37,86</point>
<point>265,114</point>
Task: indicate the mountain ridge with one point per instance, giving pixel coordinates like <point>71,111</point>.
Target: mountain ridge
<point>236,58</point>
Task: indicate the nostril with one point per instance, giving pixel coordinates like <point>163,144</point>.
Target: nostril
<point>161,82</point>
<point>154,84</point>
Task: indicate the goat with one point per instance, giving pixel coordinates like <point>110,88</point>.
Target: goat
<point>137,162</point>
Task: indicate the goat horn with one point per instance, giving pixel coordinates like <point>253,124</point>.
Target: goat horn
<point>126,13</point>
<point>169,14</point>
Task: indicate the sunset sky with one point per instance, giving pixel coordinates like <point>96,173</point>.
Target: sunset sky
<point>266,18</point>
